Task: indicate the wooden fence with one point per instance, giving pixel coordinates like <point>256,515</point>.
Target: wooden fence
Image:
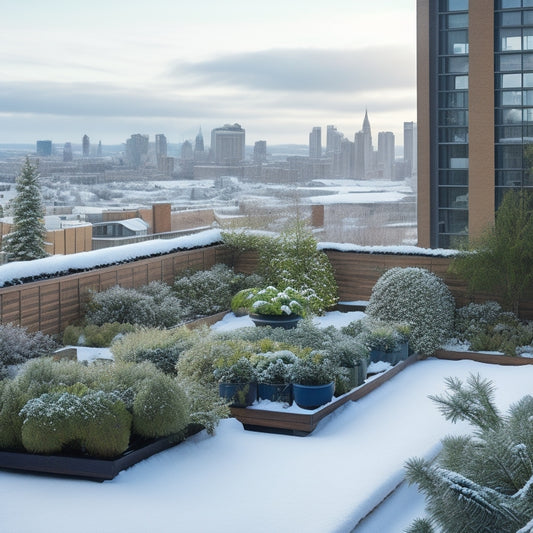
<point>53,304</point>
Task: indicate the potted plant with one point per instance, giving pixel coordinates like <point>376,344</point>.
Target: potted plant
<point>385,343</point>
<point>353,365</point>
<point>274,376</point>
<point>273,307</point>
<point>313,380</point>
<point>237,381</point>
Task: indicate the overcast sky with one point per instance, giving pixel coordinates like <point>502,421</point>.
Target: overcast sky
<point>277,67</point>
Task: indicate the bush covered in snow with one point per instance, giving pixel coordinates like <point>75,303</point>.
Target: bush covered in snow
<point>487,327</point>
<point>419,298</point>
<point>162,347</point>
<point>152,305</point>
<point>52,404</point>
<point>482,481</point>
<point>93,335</point>
<point>17,345</point>
<point>207,292</point>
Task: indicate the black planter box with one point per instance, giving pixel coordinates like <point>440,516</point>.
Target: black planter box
<point>93,468</point>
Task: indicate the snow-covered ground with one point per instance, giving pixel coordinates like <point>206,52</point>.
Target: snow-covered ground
<point>243,481</point>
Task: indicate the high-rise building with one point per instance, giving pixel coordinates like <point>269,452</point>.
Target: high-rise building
<point>386,154</point>
<point>160,150</point>
<point>85,146</point>
<point>99,149</point>
<point>409,148</point>
<point>315,143</point>
<point>199,150</point>
<point>475,113</point>
<point>137,150</point>
<point>67,152</point>
<point>333,140</point>
<point>186,151</point>
<point>227,144</point>
<point>365,160</point>
<point>260,152</point>
<point>44,148</point>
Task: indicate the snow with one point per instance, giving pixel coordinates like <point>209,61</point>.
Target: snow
<point>245,481</point>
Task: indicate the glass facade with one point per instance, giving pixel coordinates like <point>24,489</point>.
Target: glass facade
<point>513,84</point>
<point>452,125</point>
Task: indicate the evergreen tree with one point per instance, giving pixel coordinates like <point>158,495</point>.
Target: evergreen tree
<point>27,238</point>
<point>501,261</point>
<point>481,483</point>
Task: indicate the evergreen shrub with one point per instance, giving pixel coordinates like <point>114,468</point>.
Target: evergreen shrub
<point>93,335</point>
<point>160,347</point>
<point>479,482</point>
<point>208,292</point>
<point>419,298</point>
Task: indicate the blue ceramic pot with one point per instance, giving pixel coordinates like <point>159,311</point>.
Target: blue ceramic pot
<point>276,321</point>
<point>312,396</point>
<point>239,394</point>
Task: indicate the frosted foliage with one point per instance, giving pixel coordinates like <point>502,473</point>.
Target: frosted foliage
<point>27,239</point>
<point>419,298</point>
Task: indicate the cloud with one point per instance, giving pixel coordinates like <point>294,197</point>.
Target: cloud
<point>307,69</point>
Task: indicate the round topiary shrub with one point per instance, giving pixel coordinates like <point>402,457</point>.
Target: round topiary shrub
<point>419,298</point>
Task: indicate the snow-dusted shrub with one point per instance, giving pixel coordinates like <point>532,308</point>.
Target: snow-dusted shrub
<point>476,318</point>
<point>482,481</point>
<point>17,345</point>
<point>160,408</point>
<point>148,306</point>
<point>419,298</point>
<point>93,335</point>
<point>207,292</point>
<point>96,422</point>
<point>159,346</point>
<point>315,369</point>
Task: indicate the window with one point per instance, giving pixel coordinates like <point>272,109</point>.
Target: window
<point>511,98</point>
<point>461,82</point>
<point>511,80</point>
<point>510,62</point>
<point>511,39</point>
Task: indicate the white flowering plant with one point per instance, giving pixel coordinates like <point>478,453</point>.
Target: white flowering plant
<point>271,301</point>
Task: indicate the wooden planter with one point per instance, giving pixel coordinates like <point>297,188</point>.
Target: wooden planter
<point>92,468</point>
<point>301,424</point>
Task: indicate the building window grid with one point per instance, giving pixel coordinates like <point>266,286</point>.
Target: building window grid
<point>453,125</point>
<point>513,66</point>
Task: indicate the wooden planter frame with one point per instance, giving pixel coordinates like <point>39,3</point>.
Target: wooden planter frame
<point>302,424</point>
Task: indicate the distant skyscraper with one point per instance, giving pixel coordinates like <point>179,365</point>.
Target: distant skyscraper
<point>199,150</point>
<point>409,147</point>
<point>137,150</point>
<point>347,159</point>
<point>227,144</point>
<point>85,145</point>
<point>365,160</point>
<point>186,151</point>
<point>315,143</point>
<point>260,152</point>
<point>44,148</point>
<point>160,150</point>
<point>386,154</point>
<point>99,149</point>
<point>333,140</point>
<point>67,152</point>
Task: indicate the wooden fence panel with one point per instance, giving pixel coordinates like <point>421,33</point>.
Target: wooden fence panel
<point>49,305</point>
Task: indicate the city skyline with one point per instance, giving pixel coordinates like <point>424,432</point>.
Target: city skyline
<point>279,70</point>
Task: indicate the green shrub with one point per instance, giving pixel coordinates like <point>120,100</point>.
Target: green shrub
<point>161,347</point>
<point>291,259</point>
<point>420,299</point>
<point>160,408</point>
<point>152,305</point>
<point>315,369</point>
<point>93,335</point>
<point>17,345</point>
<point>95,422</point>
<point>479,482</point>
<point>210,291</point>
<point>12,400</point>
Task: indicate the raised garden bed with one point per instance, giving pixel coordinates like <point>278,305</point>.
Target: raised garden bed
<point>301,424</point>
<point>93,468</point>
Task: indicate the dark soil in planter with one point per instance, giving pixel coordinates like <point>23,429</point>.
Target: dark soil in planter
<point>83,466</point>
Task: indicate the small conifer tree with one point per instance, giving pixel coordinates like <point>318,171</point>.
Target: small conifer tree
<point>27,239</point>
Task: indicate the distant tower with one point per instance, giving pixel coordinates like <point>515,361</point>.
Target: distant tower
<point>386,153</point>
<point>227,144</point>
<point>199,150</point>
<point>44,148</point>
<point>315,142</point>
<point>368,148</point>
<point>86,145</point>
<point>260,152</point>
<point>99,149</point>
<point>137,150</point>
<point>160,150</point>
<point>67,152</point>
<point>333,140</point>
<point>186,151</point>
